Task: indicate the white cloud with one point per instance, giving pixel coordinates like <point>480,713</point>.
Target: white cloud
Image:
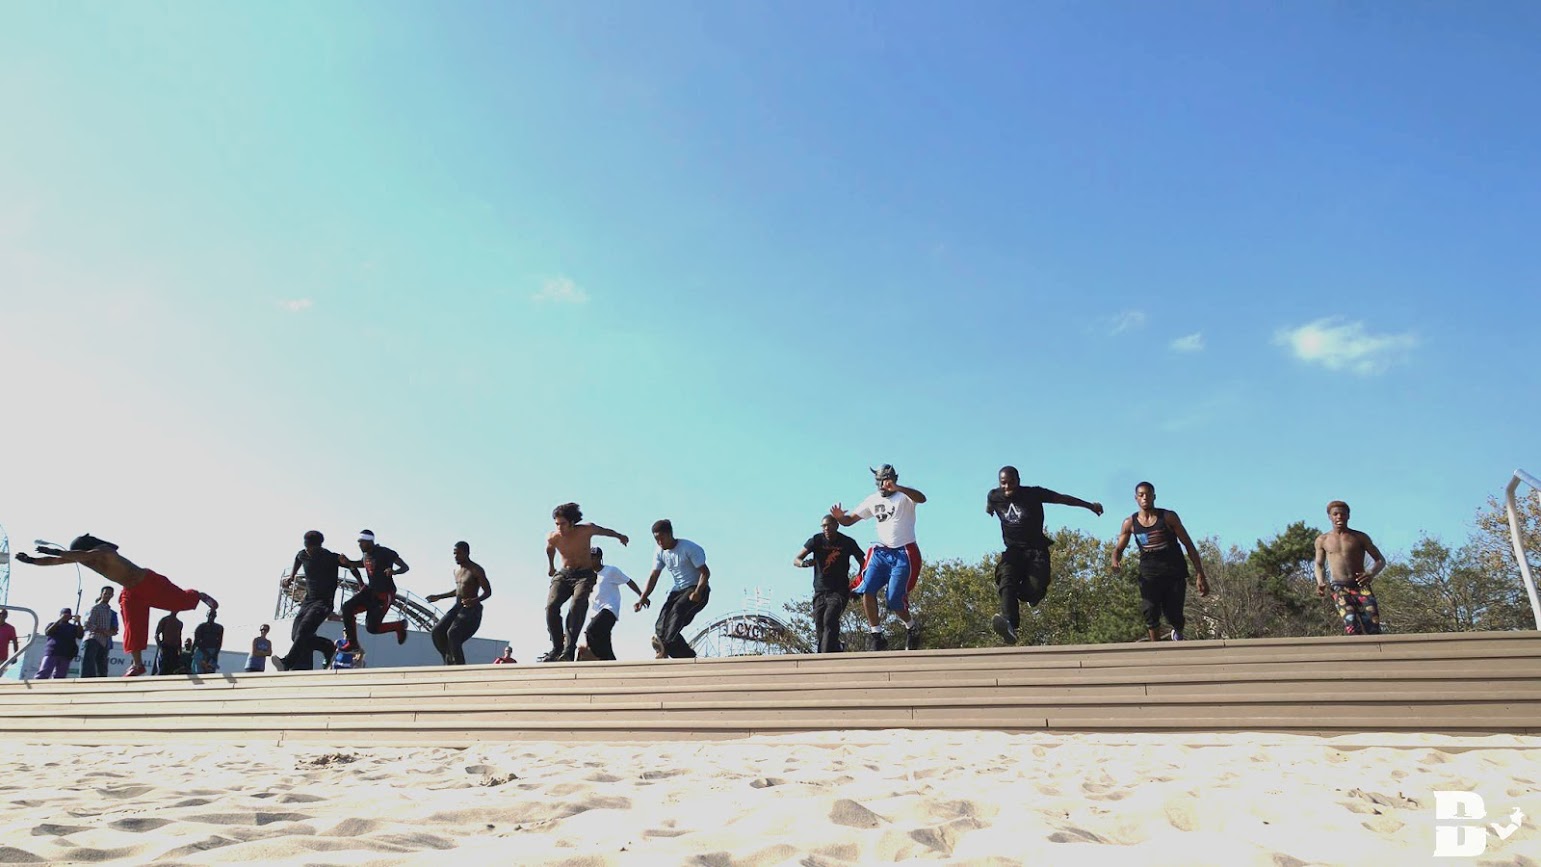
<point>1191,343</point>
<point>560,290</point>
<point>1339,345</point>
<point>1126,320</point>
<point>296,305</point>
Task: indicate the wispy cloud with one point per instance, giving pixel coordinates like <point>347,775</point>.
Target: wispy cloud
<point>296,305</point>
<point>560,290</point>
<point>1191,343</point>
<point>1126,320</point>
<point>1339,345</point>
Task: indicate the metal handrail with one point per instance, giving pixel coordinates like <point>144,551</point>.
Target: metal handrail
<point>1518,540</point>
<point>37,628</point>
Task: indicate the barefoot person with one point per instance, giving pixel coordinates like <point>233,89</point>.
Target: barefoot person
<point>462,620</point>
<point>320,569</point>
<point>892,565</point>
<point>605,610</point>
<point>1022,573</point>
<point>1343,551</point>
<point>575,580</point>
<point>382,565</point>
<point>142,589</point>
<point>685,562</point>
<point>1163,574</point>
<point>829,554</point>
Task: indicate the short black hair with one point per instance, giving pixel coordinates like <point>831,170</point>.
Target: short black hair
<point>464,546</point>
<point>88,542</point>
<point>570,511</point>
<point>1012,471</point>
<point>663,525</point>
<point>1146,485</point>
<point>314,537</point>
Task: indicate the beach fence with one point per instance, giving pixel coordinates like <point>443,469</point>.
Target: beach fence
<point>1463,684</point>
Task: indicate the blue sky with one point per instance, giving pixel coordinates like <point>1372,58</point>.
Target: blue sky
<point>433,270</point>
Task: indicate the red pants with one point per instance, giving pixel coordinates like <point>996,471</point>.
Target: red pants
<point>154,591</point>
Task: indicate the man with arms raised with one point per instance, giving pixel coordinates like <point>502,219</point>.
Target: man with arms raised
<point>1163,574</point>
<point>1343,551</point>
<point>686,564</point>
<point>457,626</point>
<point>831,554</point>
<point>321,568</point>
<point>892,565</point>
<point>142,589</point>
<point>1022,573</point>
<point>575,580</point>
<point>375,600</point>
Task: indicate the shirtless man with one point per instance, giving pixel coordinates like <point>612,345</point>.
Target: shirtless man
<point>1163,574</point>
<point>575,580</point>
<point>465,616</point>
<point>142,589</point>
<point>1342,551</point>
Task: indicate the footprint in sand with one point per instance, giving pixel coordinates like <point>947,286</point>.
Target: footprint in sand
<point>854,815</point>
<point>215,842</point>
<point>125,792</point>
<point>139,823</point>
<point>766,782</point>
<point>48,830</point>
<point>12,855</point>
<point>300,798</point>
<point>1075,835</point>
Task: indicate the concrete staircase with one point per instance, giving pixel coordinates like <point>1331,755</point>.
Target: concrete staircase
<point>1464,684</point>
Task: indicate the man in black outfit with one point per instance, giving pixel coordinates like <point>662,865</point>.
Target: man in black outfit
<point>1022,574</point>
<point>832,552</point>
<point>382,565</point>
<point>321,567</point>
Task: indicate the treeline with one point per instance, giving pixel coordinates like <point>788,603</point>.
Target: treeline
<point>1266,591</point>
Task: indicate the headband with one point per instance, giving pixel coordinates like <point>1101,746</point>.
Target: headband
<point>366,537</point>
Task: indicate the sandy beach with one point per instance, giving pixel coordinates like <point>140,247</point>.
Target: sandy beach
<point>961,798</point>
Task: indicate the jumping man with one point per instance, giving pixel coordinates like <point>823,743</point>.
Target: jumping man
<point>686,564</point>
<point>575,580</point>
<point>320,567</point>
<point>1022,573</point>
<point>1163,574</point>
<point>375,600</point>
<point>456,627</point>
<point>606,607</point>
<point>831,554</point>
<point>892,565</point>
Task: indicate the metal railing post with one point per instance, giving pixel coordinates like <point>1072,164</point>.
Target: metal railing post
<point>1519,541</point>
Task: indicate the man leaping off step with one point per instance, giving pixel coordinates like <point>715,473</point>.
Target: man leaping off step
<point>142,589</point>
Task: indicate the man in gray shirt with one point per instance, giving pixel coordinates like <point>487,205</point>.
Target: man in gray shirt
<point>101,626</point>
<point>686,563</point>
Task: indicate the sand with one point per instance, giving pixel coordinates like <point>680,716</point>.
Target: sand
<point>961,798</point>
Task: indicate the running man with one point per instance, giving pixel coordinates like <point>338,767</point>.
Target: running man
<point>893,565</point>
<point>1343,551</point>
<point>1022,573</point>
<point>142,589</point>
<point>831,554</point>
<point>575,580</point>
<point>375,600</point>
<point>457,626</point>
<point>605,610</point>
<point>686,564</point>
<point>1163,574</point>
<point>321,569</point>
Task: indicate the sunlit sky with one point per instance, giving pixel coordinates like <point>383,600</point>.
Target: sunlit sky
<point>434,270</point>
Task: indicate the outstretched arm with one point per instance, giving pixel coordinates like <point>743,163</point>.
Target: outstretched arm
<point>606,531</point>
<point>845,519</point>
<point>1067,500</point>
<point>56,557</point>
<point>652,581</point>
<point>1193,551</point>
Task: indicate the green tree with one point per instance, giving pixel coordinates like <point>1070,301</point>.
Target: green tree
<point>1285,567</point>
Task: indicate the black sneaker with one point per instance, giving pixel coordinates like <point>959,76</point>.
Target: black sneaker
<point>550,656</point>
<point>878,640</point>
<point>912,637</point>
<point>279,664</point>
<point>1003,628</point>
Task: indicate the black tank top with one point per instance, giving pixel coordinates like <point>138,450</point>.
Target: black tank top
<point>1160,553</point>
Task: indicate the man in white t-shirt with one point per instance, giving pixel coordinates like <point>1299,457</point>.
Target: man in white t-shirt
<point>605,607</point>
<point>686,563</point>
<point>893,563</point>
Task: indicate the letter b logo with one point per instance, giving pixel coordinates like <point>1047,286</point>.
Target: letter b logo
<point>1466,836</point>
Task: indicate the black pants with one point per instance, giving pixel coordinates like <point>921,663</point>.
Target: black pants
<point>674,616</point>
<point>598,634</point>
<point>454,629</point>
<point>1021,575</point>
<point>93,658</point>
<point>828,605</point>
<point>375,604</point>
<point>305,640</point>
<point>574,584</point>
<point>1163,595</point>
<point>169,659</point>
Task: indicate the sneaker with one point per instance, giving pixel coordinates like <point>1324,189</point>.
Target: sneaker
<point>401,634</point>
<point>1003,628</point>
<point>550,656</point>
<point>878,640</point>
<point>134,671</point>
<point>912,637</point>
<point>658,647</point>
<point>208,600</point>
<point>1176,635</point>
<point>279,664</point>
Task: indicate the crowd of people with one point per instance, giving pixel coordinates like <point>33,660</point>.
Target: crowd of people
<point>1346,564</point>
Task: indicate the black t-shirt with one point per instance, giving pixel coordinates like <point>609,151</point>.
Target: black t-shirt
<point>379,559</point>
<point>1021,515</point>
<point>321,573</point>
<point>209,636</point>
<point>832,560</point>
